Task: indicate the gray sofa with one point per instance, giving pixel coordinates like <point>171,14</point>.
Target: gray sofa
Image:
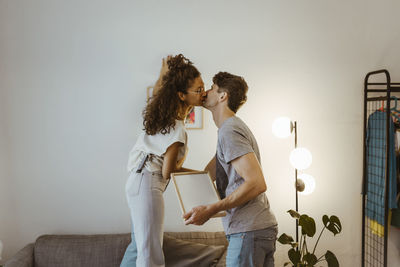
<point>180,249</point>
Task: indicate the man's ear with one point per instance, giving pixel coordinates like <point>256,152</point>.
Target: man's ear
<point>223,96</point>
<point>181,96</point>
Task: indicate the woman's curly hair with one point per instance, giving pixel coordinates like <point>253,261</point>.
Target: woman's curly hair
<point>165,107</point>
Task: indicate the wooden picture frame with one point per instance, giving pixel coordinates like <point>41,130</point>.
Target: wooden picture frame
<point>194,120</point>
<point>194,189</point>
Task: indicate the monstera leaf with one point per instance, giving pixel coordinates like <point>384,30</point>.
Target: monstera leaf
<point>285,239</point>
<point>332,224</point>
<point>307,225</point>
<point>294,214</point>
<point>294,256</point>
<point>311,259</point>
<point>331,259</point>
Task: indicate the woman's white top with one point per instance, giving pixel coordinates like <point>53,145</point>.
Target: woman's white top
<point>157,145</point>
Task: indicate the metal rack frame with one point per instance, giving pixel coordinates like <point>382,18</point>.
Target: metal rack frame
<point>374,249</point>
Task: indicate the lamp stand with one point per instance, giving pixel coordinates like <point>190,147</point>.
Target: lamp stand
<point>295,186</point>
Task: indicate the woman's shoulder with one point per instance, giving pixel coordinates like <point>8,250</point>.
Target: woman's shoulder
<point>178,131</point>
<point>180,125</point>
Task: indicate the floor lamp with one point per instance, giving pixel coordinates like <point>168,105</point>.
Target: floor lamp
<point>300,158</point>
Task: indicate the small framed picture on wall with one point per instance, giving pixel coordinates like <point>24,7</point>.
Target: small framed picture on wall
<point>194,120</point>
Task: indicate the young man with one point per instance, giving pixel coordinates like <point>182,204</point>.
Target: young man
<point>250,226</point>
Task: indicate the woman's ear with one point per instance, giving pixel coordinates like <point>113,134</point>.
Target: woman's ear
<point>181,96</point>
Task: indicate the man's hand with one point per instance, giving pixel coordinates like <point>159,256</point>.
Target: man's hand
<point>198,215</point>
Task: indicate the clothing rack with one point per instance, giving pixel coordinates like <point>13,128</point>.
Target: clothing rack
<point>377,166</point>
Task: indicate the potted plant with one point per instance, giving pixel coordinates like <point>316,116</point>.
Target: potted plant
<point>299,254</point>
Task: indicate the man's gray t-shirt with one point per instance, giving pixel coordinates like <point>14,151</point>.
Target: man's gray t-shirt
<point>235,140</point>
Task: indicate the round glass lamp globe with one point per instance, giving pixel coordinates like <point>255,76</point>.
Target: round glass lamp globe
<point>300,158</point>
<point>282,127</point>
<point>309,183</point>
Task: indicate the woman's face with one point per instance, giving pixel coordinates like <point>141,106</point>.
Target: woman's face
<point>195,93</point>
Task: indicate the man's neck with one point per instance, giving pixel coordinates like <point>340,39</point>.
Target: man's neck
<point>221,114</point>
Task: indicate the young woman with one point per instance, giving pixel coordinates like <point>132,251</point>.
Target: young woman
<point>159,150</point>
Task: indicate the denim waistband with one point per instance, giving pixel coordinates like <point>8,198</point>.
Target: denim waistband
<point>142,165</point>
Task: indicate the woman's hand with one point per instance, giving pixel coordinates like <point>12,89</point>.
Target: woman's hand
<point>164,66</point>
<point>163,71</point>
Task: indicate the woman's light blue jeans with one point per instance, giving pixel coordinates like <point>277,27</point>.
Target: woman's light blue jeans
<point>252,249</point>
<point>144,192</point>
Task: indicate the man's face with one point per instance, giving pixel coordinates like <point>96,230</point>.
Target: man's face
<point>212,96</point>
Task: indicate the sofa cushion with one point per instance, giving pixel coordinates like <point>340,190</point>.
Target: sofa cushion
<point>197,249</point>
<point>183,253</point>
<point>80,250</point>
<point>207,238</point>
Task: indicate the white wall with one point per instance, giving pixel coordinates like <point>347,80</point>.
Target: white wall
<point>74,75</point>
<point>7,206</point>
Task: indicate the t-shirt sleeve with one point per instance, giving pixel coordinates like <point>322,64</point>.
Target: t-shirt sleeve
<point>175,135</point>
<point>234,144</point>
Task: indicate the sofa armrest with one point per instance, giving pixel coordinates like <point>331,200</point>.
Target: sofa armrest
<point>23,258</point>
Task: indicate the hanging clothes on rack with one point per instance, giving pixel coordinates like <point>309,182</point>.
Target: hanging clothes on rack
<point>376,169</point>
<point>395,113</point>
<point>395,220</point>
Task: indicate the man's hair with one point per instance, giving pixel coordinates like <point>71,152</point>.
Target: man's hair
<point>235,86</point>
